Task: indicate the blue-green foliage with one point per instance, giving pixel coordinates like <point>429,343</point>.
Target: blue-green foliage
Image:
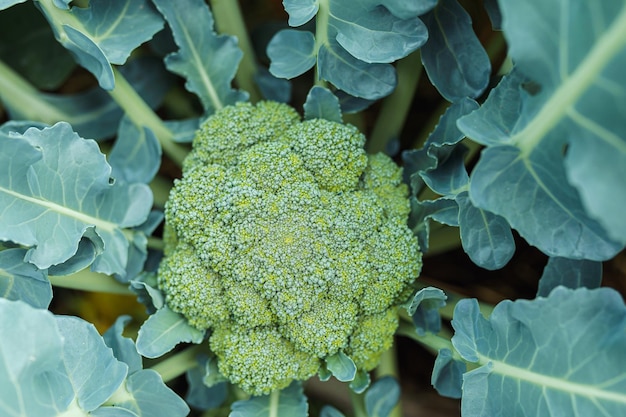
<point>291,402</point>
<point>559,355</point>
<point>341,366</point>
<point>382,397</point>
<point>321,103</point>
<point>206,60</point>
<point>200,395</point>
<point>65,368</point>
<point>424,308</point>
<point>105,33</point>
<point>56,188</point>
<point>447,376</point>
<point>570,273</point>
<point>23,281</point>
<point>162,331</point>
<point>440,165</point>
<point>453,57</point>
<point>556,157</point>
<point>353,45</point>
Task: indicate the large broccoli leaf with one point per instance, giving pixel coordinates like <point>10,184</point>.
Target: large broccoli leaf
<point>555,131</point>
<point>23,281</point>
<point>354,44</point>
<point>65,368</point>
<point>453,57</point>
<point>208,61</point>
<point>104,33</point>
<point>56,188</point>
<point>529,365</point>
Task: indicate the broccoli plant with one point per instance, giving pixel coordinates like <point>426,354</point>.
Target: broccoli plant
<point>239,208</point>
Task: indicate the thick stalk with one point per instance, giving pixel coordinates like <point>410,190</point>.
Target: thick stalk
<point>178,364</point>
<point>396,106</point>
<point>142,115</point>
<point>274,401</point>
<point>20,96</point>
<point>388,366</point>
<point>87,280</point>
<point>229,20</point>
<point>358,405</point>
<point>321,34</point>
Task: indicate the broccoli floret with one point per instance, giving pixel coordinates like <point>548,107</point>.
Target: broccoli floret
<point>289,243</point>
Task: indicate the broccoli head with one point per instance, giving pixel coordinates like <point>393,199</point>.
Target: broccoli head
<point>289,243</point>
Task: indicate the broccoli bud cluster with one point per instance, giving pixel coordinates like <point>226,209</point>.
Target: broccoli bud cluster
<point>289,243</point>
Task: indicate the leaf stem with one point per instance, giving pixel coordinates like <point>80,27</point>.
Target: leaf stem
<point>86,280</point>
<point>22,98</point>
<point>274,401</point>
<point>142,115</point>
<point>358,405</point>
<point>396,106</point>
<point>432,342</point>
<point>178,363</point>
<point>228,19</point>
<point>388,366</point>
<point>321,34</point>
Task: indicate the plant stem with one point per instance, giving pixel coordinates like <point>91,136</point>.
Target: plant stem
<point>228,19</point>
<point>321,34</point>
<point>388,366</point>
<point>24,100</point>
<point>178,364</point>
<point>155,243</point>
<point>274,397</point>
<point>431,341</point>
<point>87,280</point>
<point>358,406</point>
<point>142,115</point>
<point>396,106</point>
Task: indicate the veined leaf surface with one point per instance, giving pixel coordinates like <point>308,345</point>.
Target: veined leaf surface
<point>558,145</point>
<point>564,352</point>
<point>55,188</point>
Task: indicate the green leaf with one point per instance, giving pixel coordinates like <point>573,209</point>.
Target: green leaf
<point>570,273</point>
<point>341,366</point>
<point>382,397</point>
<point>300,11</point>
<point>321,103</point>
<point>136,155</point>
<point>559,355</point>
<point>145,394</point>
<point>355,77</point>
<point>5,4</point>
<point>486,237</point>
<point>123,348</point>
<point>200,394</point>
<point>28,46</point>
<point>288,402</point>
<point>565,127</point>
<point>206,60</point>
<point>162,331</point>
<point>330,411</point>
<point>374,34</point>
<point>447,376</point>
<point>424,309</point>
<point>291,52</point>
<point>453,57</point>
<point>55,188</point>
<point>23,281</point>
<point>104,33</point>
<point>86,359</point>
<point>532,193</point>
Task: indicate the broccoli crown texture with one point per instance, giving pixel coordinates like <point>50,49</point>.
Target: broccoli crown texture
<point>289,243</point>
